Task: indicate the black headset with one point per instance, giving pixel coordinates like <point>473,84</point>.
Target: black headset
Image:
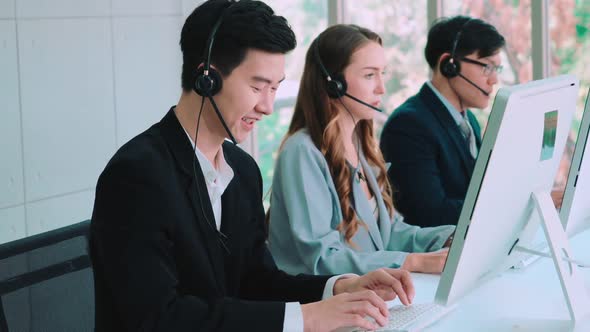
<point>451,66</point>
<point>208,81</point>
<point>336,85</point>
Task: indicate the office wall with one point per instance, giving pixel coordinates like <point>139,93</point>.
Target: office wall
<point>78,78</point>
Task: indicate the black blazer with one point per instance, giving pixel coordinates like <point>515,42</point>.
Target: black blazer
<point>158,265</point>
<point>430,161</point>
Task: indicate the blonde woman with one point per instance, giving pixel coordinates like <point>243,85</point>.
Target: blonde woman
<point>331,207</point>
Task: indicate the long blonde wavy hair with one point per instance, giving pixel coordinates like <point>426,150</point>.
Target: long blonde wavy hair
<point>317,112</point>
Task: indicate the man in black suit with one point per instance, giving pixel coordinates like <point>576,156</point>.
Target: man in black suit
<point>178,235</point>
<point>432,139</point>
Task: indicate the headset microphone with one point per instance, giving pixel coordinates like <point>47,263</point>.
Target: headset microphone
<point>221,119</point>
<point>475,85</point>
<point>362,102</point>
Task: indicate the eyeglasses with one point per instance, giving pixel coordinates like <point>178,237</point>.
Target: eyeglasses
<point>488,69</point>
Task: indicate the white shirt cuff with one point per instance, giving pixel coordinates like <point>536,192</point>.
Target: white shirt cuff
<point>293,317</point>
<point>329,288</point>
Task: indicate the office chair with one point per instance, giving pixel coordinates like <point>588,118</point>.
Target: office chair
<point>46,282</point>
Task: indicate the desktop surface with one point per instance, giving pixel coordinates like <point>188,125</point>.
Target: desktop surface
<point>530,299</point>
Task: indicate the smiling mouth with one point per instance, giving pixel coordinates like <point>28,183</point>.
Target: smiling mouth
<point>249,120</point>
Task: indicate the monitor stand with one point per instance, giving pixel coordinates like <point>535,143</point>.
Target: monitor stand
<point>572,284</point>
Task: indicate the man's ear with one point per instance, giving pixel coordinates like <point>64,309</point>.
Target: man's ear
<point>443,57</point>
<point>448,66</point>
<point>211,66</point>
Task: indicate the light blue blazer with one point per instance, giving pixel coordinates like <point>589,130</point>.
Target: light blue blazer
<point>305,213</point>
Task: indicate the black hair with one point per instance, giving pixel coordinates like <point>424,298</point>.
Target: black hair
<point>476,36</point>
<point>246,25</point>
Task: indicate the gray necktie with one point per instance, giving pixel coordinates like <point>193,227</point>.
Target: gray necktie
<point>469,136</point>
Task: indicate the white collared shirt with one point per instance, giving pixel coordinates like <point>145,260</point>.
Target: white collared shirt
<point>217,181</point>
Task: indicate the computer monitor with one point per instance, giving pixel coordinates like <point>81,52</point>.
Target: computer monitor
<point>575,209</point>
<point>520,153</point>
<point>574,212</point>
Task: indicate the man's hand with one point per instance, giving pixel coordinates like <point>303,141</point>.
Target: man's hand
<point>386,283</point>
<point>430,262</point>
<point>345,310</point>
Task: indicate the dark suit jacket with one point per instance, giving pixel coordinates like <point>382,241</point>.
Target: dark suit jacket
<point>158,266</point>
<point>430,161</point>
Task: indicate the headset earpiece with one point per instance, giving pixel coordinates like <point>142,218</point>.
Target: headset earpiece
<point>450,67</point>
<point>208,81</point>
<point>208,85</point>
<point>336,86</point>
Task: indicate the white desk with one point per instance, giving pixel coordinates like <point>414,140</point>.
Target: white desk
<point>517,300</point>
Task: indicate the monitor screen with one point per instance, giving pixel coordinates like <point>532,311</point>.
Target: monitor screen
<point>520,154</point>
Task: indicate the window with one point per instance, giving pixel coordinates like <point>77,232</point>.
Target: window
<point>513,21</point>
<point>403,27</point>
<point>569,33</point>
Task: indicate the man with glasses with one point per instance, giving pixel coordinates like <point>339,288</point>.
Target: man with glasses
<point>432,139</point>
